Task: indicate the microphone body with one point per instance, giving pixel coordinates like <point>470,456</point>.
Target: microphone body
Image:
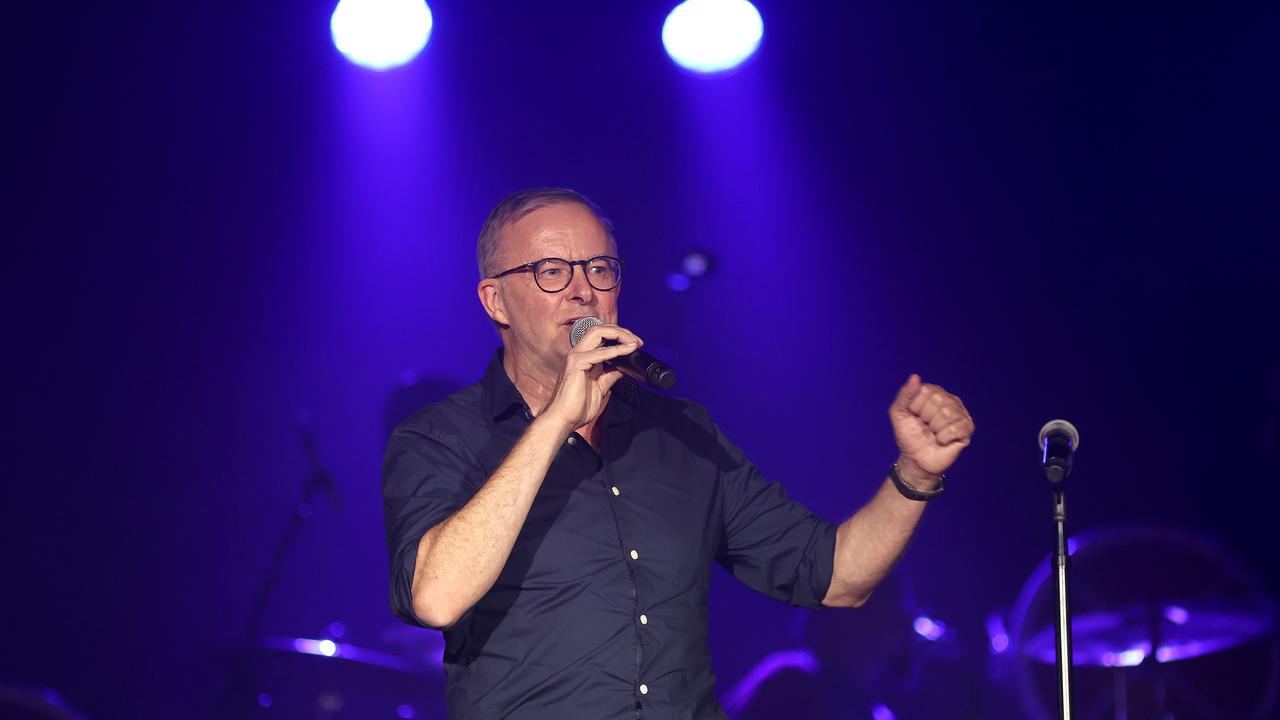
<point>639,365</point>
<point>1059,440</point>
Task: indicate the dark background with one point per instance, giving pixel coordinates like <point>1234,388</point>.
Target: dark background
<point>215,221</point>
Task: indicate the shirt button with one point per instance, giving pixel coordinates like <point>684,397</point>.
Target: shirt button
<point>644,619</point>
<point>572,440</point>
<point>644,689</point>
<point>635,555</point>
<point>615,490</point>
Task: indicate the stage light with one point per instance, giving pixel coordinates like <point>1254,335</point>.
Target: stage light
<point>380,34</point>
<point>712,36</point>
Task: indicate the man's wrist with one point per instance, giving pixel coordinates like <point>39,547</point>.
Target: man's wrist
<point>913,483</point>
<point>911,473</point>
<point>548,424</point>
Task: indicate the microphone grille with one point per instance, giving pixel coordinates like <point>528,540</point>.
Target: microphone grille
<point>1060,426</point>
<point>580,328</point>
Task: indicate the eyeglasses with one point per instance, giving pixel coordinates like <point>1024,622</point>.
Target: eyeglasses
<point>552,275</point>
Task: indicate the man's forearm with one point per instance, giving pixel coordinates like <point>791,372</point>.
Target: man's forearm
<point>870,542</point>
<point>460,559</point>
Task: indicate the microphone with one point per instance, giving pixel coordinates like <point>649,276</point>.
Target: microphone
<point>1059,440</point>
<point>639,365</point>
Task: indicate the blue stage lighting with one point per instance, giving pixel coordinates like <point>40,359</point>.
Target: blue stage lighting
<point>695,264</point>
<point>712,36</point>
<point>678,282</point>
<point>881,712</point>
<point>380,34</point>
<point>929,629</point>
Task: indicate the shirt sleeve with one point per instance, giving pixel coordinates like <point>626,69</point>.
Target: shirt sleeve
<point>771,543</point>
<point>426,477</point>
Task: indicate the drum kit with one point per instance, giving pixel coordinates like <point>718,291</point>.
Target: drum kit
<point>399,675</point>
<point>1167,624</point>
<point>324,678</point>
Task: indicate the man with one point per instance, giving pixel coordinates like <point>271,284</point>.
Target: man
<point>558,523</point>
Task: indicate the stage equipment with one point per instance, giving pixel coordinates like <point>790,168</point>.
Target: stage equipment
<point>1058,442</point>
<point>712,36</point>
<point>380,34</point>
<point>295,678</point>
<point>1168,625</point>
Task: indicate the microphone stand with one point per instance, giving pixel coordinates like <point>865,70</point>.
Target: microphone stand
<point>1058,440</point>
<point>1062,621</point>
<point>317,479</point>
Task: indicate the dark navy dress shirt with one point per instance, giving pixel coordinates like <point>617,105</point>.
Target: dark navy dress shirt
<point>601,609</point>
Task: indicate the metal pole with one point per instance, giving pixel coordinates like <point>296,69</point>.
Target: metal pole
<point>1062,624</point>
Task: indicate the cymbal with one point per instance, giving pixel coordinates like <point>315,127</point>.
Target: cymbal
<point>292,678</point>
<point>345,651</point>
<point>1177,630</point>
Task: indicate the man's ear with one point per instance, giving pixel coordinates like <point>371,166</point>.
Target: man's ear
<point>490,292</point>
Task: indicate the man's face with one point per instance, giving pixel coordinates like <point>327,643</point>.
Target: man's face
<point>537,332</point>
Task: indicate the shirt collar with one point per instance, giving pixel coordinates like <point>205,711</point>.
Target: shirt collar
<point>500,395</point>
<point>502,399</point>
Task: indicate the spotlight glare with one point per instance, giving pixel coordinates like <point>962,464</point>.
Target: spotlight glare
<point>996,632</point>
<point>695,264</point>
<point>1132,657</point>
<point>882,712</point>
<point>999,643</point>
<point>712,36</point>
<point>380,34</point>
<point>928,628</point>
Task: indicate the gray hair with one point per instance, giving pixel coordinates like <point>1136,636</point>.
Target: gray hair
<point>517,205</point>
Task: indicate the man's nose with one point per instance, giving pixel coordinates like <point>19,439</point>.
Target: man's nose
<point>580,289</point>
